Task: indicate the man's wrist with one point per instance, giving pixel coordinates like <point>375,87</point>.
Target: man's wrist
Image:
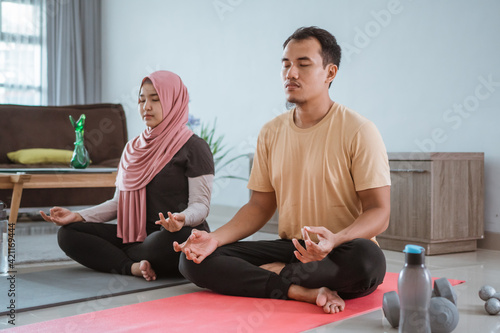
<point>338,238</point>
<point>214,237</point>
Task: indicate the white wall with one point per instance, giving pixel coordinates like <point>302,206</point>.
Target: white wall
<point>409,66</point>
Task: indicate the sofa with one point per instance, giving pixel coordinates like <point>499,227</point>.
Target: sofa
<point>48,127</point>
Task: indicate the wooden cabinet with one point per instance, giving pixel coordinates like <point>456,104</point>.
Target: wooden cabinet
<point>436,202</point>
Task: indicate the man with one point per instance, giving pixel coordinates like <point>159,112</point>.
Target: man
<point>325,168</point>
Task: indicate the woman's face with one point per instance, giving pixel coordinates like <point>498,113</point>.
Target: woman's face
<point>149,105</point>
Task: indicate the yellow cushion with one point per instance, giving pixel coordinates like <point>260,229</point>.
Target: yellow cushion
<point>41,156</point>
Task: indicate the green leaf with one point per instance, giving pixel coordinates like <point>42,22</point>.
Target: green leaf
<point>218,148</point>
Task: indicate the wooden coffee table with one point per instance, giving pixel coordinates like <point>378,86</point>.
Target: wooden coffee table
<point>20,179</point>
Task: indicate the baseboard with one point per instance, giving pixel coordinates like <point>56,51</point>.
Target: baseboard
<point>491,241</point>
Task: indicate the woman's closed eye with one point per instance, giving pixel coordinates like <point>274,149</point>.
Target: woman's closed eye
<point>142,101</point>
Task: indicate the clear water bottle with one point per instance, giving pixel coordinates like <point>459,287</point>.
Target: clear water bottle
<point>4,240</point>
<point>414,289</point>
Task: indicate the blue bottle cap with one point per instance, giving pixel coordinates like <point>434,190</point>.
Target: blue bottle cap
<point>413,249</point>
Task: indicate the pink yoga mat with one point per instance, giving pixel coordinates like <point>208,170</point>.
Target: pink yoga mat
<point>205,311</point>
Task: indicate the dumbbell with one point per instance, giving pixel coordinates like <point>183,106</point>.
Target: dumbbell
<point>390,307</point>
<point>443,311</point>
<point>443,288</point>
<point>492,298</point>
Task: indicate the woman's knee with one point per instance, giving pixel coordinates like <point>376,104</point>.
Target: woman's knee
<point>64,236</point>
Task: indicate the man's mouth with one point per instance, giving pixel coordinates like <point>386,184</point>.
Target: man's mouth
<point>291,85</point>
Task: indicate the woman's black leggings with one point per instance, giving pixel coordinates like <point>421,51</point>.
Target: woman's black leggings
<point>95,245</point>
<point>353,269</point>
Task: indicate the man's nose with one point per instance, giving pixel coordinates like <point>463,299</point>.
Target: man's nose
<point>292,72</point>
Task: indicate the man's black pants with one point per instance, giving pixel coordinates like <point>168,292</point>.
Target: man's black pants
<point>353,269</point>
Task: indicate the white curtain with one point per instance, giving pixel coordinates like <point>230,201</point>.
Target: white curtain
<point>21,39</point>
<point>73,51</point>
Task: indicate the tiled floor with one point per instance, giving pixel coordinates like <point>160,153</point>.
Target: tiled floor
<point>476,268</point>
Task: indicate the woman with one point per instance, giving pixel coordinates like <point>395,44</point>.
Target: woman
<point>165,169</point>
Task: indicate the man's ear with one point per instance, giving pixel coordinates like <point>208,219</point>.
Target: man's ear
<point>331,72</point>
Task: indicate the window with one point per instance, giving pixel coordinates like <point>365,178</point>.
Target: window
<point>21,52</point>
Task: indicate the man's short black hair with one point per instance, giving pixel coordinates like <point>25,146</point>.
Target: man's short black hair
<point>330,50</point>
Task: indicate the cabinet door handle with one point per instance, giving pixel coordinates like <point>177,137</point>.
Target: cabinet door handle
<point>408,170</point>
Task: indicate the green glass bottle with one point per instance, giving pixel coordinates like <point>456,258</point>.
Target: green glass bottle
<point>81,158</point>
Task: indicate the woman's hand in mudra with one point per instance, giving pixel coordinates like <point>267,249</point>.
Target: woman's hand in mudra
<point>173,223</point>
<point>61,216</point>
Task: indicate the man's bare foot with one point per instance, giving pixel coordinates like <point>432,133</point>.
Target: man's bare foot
<point>143,269</point>
<point>275,267</point>
<point>329,300</point>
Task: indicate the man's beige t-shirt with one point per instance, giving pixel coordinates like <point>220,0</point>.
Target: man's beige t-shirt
<point>315,172</point>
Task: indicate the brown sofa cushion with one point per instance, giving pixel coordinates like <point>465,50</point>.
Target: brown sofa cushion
<point>49,127</point>
<point>24,127</point>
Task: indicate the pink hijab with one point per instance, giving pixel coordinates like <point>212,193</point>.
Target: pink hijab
<point>147,154</point>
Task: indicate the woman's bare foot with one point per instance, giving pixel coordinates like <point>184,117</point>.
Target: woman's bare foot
<point>329,300</point>
<point>143,269</point>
